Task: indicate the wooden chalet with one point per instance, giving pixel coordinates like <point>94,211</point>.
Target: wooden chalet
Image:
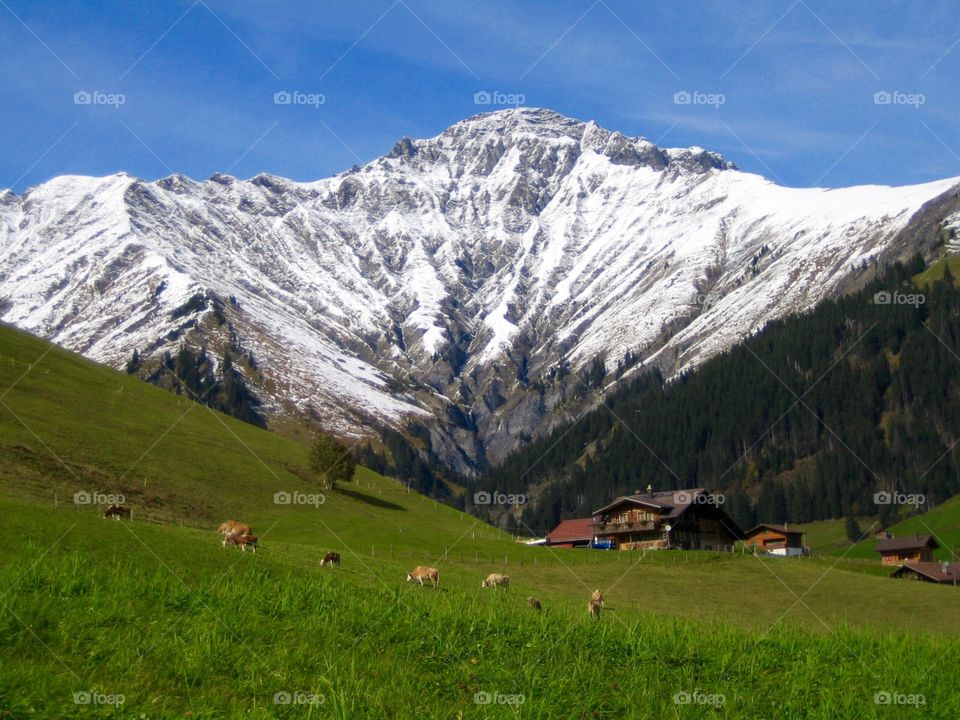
<point>935,572</point>
<point>775,540</point>
<point>679,519</point>
<point>576,532</point>
<point>908,549</point>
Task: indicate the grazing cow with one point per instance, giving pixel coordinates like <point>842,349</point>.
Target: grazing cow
<point>241,541</point>
<point>331,558</point>
<point>421,573</point>
<point>534,603</point>
<point>593,607</point>
<point>495,580</point>
<point>117,512</point>
<point>597,597</point>
<point>233,527</point>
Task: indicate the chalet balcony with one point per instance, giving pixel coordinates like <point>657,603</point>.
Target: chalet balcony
<point>629,527</point>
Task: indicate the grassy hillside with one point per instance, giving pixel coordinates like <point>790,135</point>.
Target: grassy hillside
<point>182,627</point>
<point>942,522</point>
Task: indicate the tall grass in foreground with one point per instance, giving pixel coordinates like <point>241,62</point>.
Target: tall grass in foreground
<point>253,638</point>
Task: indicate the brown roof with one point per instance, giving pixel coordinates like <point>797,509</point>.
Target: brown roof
<point>576,529</point>
<point>776,528</point>
<point>938,572</point>
<point>910,542</point>
<point>671,503</point>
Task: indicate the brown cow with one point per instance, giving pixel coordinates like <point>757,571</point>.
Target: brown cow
<point>331,558</point>
<point>117,512</point>
<point>593,607</point>
<point>421,573</point>
<point>496,580</point>
<point>233,527</point>
<point>534,603</point>
<point>241,541</point>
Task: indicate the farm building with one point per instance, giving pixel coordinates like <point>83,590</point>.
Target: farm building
<point>909,549</point>
<point>680,519</point>
<point>776,540</point>
<point>936,572</point>
<point>577,532</point>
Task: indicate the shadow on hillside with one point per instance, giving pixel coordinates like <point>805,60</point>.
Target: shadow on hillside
<point>369,499</point>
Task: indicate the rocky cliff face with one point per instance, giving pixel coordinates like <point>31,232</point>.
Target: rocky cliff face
<point>469,282</point>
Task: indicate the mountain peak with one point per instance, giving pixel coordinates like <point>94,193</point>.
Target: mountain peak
<point>491,134</point>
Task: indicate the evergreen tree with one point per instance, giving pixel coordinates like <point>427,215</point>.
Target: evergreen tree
<point>134,363</point>
<point>852,528</point>
<point>331,462</point>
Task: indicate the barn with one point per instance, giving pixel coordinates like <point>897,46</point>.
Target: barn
<point>776,540</point>
<point>576,532</point>
<point>908,549</point>
<point>943,573</point>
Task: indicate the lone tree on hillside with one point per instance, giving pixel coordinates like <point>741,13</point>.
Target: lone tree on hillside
<point>852,528</point>
<point>331,461</point>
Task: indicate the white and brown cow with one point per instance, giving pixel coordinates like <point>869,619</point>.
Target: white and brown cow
<point>117,512</point>
<point>241,541</point>
<point>421,573</point>
<point>331,558</point>
<point>496,580</point>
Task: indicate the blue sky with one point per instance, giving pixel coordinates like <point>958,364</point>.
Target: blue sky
<point>783,88</point>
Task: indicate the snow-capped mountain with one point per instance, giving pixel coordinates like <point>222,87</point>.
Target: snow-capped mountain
<point>462,281</point>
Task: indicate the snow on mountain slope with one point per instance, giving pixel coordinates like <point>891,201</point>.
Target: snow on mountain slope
<point>454,280</point>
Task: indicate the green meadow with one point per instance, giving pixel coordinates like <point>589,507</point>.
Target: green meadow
<point>156,613</point>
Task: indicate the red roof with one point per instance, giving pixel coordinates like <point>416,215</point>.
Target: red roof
<point>571,531</point>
